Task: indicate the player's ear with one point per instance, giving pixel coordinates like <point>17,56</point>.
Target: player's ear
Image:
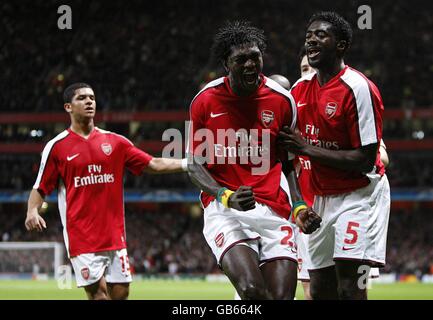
<point>342,46</point>
<point>67,107</point>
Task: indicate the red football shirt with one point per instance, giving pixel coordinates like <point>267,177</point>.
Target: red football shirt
<point>344,114</point>
<point>249,122</point>
<point>89,176</point>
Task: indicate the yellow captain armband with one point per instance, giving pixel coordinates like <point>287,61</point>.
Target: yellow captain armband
<point>298,206</point>
<point>224,195</point>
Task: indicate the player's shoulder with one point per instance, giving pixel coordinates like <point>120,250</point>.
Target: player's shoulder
<point>209,90</point>
<point>355,79</point>
<point>114,136</point>
<point>280,91</point>
<point>58,138</point>
<point>305,80</point>
<point>277,88</point>
<point>51,144</point>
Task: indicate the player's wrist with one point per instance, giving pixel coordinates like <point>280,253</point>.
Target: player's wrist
<point>297,207</point>
<point>224,195</point>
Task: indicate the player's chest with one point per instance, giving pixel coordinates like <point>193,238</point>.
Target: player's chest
<point>324,108</point>
<point>255,114</point>
<point>89,156</point>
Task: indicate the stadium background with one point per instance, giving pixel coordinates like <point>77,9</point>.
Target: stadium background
<point>146,61</point>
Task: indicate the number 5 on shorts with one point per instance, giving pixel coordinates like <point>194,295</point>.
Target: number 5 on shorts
<point>350,230</point>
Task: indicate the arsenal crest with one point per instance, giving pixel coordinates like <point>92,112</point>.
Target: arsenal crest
<point>330,109</point>
<point>267,117</point>
<point>85,273</point>
<point>219,240</point>
<point>106,148</point>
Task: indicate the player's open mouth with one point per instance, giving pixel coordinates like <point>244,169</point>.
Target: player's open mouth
<point>250,78</point>
<point>313,53</point>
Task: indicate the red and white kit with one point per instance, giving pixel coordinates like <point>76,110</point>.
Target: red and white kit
<point>344,114</point>
<point>219,110</point>
<point>88,174</point>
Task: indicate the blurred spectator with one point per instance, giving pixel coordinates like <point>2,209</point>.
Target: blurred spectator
<point>170,240</point>
<point>144,56</point>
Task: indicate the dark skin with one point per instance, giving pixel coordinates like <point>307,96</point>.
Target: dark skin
<point>244,65</point>
<point>275,279</point>
<point>102,290</point>
<point>361,159</point>
<point>325,53</point>
<point>307,220</point>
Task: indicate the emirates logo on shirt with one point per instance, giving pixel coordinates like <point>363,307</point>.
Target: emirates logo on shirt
<point>219,240</point>
<point>267,117</point>
<point>106,148</point>
<point>85,273</point>
<point>330,109</point>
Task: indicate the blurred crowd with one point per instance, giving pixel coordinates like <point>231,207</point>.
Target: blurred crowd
<point>170,240</point>
<point>139,55</point>
<point>410,242</point>
<point>406,170</point>
<point>410,129</point>
<point>19,172</point>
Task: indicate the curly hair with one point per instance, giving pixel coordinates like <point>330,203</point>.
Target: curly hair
<point>234,34</point>
<point>340,27</point>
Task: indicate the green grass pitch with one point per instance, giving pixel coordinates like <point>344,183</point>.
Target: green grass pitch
<point>187,290</point>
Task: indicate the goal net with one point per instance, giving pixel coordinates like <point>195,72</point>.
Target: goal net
<point>24,260</point>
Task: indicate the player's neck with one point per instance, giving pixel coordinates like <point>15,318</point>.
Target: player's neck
<point>327,73</point>
<point>239,91</point>
<point>83,128</point>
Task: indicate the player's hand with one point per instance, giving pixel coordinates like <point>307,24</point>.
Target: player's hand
<point>308,221</point>
<point>243,199</point>
<point>289,140</point>
<point>35,222</point>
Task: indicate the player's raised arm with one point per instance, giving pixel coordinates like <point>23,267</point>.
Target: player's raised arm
<point>33,220</point>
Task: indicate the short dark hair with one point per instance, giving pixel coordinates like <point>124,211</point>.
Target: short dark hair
<point>69,92</point>
<point>341,28</point>
<point>234,34</point>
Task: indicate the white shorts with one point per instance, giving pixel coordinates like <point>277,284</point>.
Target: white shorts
<point>303,257</point>
<point>304,260</point>
<point>261,229</point>
<point>354,226</point>
<point>90,267</point>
